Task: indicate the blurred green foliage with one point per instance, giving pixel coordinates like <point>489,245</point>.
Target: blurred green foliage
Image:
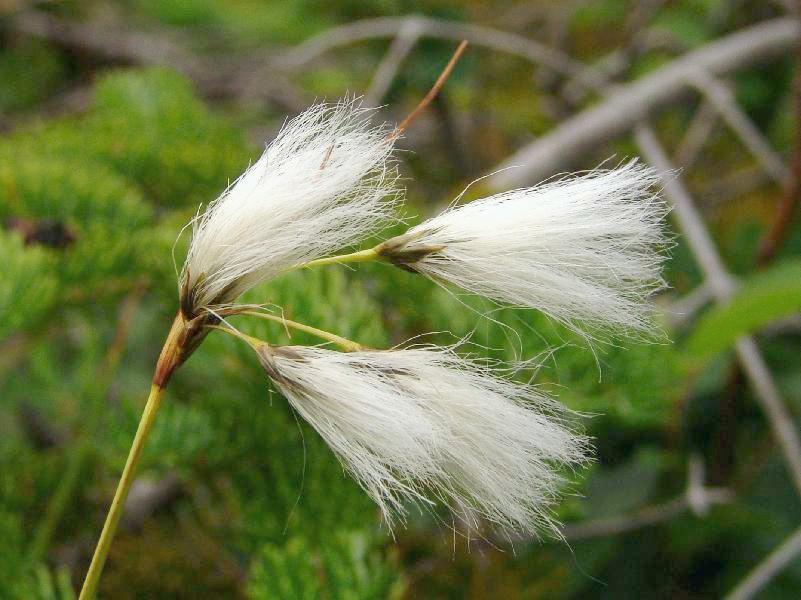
<point>763,299</point>
<point>91,205</point>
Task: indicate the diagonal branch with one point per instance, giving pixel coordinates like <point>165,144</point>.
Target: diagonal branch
<point>629,104</point>
<point>768,568</point>
<point>720,96</point>
<point>682,311</point>
<point>695,136</point>
<point>478,35</point>
<point>722,287</point>
<point>788,204</point>
<point>697,498</point>
<point>401,46</point>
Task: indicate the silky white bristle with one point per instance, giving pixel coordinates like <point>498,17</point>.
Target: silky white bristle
<point>325,182</point>
<point>424,423</point>
<point>584,249</point>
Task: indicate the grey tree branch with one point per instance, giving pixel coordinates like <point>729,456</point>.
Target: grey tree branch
<point>388,69</point>
<point>642,39</point>
<point>768,568</point>
<point>645,517</point>
<point>722,287</point>
<point>697,498</point>
<point>683,310</point>
<point>302,55</point>
<point>696,135</point>
<point>720,96</point>
<point>629,104</point>
<point>739,182</point>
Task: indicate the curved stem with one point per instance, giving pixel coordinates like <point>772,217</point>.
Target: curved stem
<point>344,343</point>
<point>123,487</point>
<point>360,256</point>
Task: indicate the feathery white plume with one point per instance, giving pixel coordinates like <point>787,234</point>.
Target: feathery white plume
<point>418,421</point>
<point>323,183</point>
<point>583,250</point>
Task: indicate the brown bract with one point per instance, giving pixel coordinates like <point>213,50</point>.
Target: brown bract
<point>402,251</point>
<point>183,339</point>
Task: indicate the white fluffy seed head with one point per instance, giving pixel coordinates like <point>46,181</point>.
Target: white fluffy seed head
<point>584,249</point>
<point>421,423</point>
<point>325,182</point>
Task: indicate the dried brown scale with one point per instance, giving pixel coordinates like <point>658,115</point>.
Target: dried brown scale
<point>182,340</point>
<point>400,250</point>
<point>189,329</point>
<point>266,353</point>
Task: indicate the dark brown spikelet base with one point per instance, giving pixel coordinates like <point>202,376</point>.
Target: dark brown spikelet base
<point>183,339</point>
<point>403,251</point>
<point>189,328</point>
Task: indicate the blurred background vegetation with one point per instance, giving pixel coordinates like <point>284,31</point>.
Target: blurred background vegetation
<point>119,119</point>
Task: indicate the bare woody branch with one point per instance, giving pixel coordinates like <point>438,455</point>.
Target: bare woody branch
<point>697,499</point>
<point>302,55</point>
<point>722,287</point>
<point>630,104</point>
<point>695,136</point>
<point>768,568</point>
<point>721,97</point>
<point>644,517</point>
<point>788,205</point>
<point>388,69</point>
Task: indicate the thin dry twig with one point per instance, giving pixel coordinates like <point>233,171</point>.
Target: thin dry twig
<point>721,97</point>
<point>302,55</point>
<point>697,133</point>
<point>792,195</point>
<point>389,66</point>
<point>771,566</point>
<point>683,311</point>
<point>697,498</point>
<point>111,39</point>
<point>644,517</point>
<point>737,183</point>
<point>616,63</point>
<point>630,104</point>
<point>722,286</point>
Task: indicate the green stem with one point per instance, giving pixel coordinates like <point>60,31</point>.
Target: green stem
<point>344,343</point>
<point>361,256</point>
<point>123,487</point>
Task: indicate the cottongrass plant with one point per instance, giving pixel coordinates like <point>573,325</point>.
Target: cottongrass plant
<point>324,183</point>
<point>418,422</point>
<point>414,424</point>
<point>579,248</point>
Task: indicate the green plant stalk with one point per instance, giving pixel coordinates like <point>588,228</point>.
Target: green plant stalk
<point>123,487</point>
<point>183,338</point>
<point>344,343</point>
<point>175,351</point>
<point>361,256</point>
